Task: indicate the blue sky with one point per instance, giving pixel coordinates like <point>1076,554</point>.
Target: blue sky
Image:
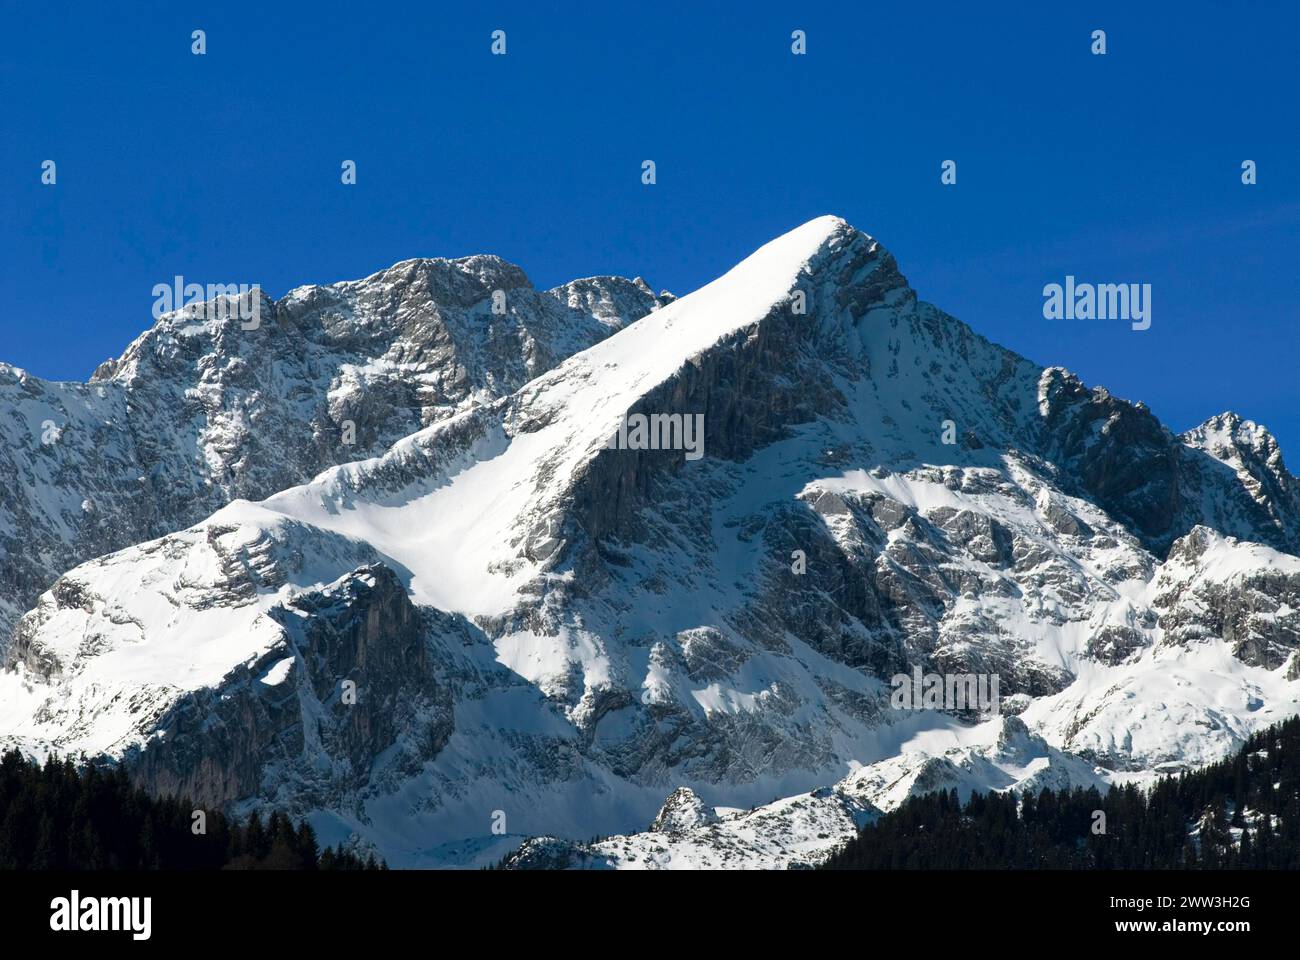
<point>225,167</point>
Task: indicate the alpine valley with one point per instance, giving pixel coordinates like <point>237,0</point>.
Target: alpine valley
<point>378,564</point>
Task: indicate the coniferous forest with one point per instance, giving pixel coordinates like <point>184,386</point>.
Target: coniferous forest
<point>1243,812</point>
<point>56,816</point>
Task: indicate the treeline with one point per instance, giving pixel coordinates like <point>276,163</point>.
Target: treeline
<point>56,816</point>
<point>1243,812</point>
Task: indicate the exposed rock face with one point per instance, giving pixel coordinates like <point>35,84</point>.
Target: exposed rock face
<point>1235,474</point>
<point>349,681</point>
<point>708,655</point>
<point>344,679</point>
<point>1227,474</point>
<point>1116,453</point>
<point>682,811</point>
<point>1114,644</point>
<point>1256,611</point>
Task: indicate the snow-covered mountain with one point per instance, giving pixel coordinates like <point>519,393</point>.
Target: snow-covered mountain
<point>515,623</point>
<point>199,411</point>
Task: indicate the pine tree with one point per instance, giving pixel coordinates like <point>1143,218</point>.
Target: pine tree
<point>59,815</point>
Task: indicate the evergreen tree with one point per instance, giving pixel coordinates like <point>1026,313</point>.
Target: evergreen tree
<point>58,815</point>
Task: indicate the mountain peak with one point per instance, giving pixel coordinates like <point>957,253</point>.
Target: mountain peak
<point>610,299</point>
<point>482,270</point>
<point>1228,431</point>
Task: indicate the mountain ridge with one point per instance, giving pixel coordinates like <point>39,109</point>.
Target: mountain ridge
<point>196,411</point>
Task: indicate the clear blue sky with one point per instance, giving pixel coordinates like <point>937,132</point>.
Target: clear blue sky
<point>225,167</point>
